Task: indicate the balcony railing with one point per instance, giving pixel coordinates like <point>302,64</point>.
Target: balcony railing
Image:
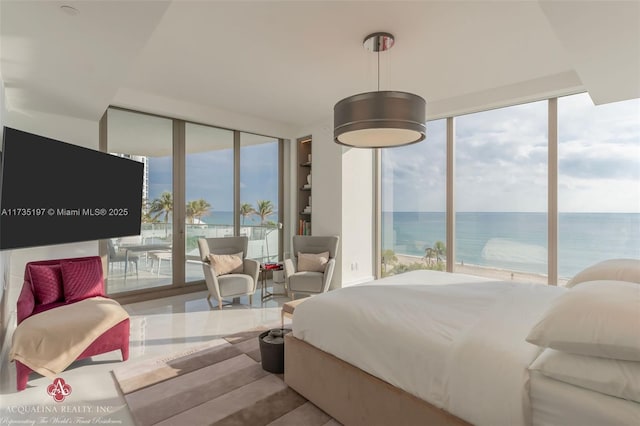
<point>263,240</point>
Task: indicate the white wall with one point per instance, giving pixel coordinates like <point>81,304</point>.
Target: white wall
<point>357,215</point>
<point>4,254</point>
<point>66,129</point>
<point>343,203</point>
<point>326,178</point>
<point>161,105</point>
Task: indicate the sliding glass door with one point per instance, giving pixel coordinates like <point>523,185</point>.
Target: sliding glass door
<point>143,261</point>
<point>259,194</point>
<point>209,190</point>
<point>226,183</point>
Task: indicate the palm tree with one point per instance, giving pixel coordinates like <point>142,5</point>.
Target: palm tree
<point>429,254</point>
<point>203,208</point>
<point>388,257</point>
<point>162,206</point>
<point>189,211</point>
<point>246,209</point>
<point>440,250</point>
<point>146,216</point>
<point>264,209</point>
<point>196,209</point>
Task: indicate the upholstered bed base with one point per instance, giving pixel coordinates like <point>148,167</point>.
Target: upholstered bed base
<point>352,396</point>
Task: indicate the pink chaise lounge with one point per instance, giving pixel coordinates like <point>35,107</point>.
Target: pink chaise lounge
<point>43,290</point>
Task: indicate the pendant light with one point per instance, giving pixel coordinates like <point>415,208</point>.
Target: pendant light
<point>379,119</point>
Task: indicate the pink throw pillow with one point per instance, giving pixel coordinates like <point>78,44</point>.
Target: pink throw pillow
<point>46,282</point>
<point>82,279</point>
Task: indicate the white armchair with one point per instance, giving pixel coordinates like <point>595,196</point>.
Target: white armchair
<point>231,284</point>
<point>310,281</point>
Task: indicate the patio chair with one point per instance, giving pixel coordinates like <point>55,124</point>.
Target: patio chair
<point>121,256</point>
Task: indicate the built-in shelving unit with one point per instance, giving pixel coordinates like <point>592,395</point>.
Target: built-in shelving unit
<point>304,185</point>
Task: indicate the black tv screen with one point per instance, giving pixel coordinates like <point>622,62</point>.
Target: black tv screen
<point>53,192</point>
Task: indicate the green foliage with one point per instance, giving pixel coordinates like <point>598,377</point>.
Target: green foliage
<point>196,209</point>
<point>401,267</point>
<point>388,260</point>
<point>264,209</point>
<point>389,257</point>
<point>246,209</point>
<point>162,206</point>
<point>433,259</point>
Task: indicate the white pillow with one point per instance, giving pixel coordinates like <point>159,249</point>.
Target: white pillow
<point>222,264</point>
<point>612,269</point>
<point>609,376</point>
<point>598,318</point>
<point>313,262</point>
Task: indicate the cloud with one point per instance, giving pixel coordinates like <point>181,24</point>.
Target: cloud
<point>414,176</point>
<point>502,154</point>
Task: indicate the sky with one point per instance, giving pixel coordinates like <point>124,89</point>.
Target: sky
<point>501,161</point>
<point>209,176</point>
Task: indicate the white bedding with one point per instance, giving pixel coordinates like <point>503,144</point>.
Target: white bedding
<point>556,403</point>
<point>459,347</point>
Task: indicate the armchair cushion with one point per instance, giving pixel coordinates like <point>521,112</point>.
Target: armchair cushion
<point>47,283</point>
<point>312,262</point>
<point>307,282</point>
<point>82,279</point>
<point>236,285</point>
<point>226,263</point>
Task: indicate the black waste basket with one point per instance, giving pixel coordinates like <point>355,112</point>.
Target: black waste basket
<point>272,349</point>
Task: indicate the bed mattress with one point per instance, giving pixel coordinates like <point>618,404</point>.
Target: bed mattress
<point>459,347</point>
<point>556,403</point>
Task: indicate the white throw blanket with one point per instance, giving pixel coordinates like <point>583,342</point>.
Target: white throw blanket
<point>51,340</point>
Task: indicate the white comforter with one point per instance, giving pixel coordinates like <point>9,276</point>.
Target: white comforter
<point>460,347</point>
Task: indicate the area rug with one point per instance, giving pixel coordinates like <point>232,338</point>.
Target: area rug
<point>218,383</point>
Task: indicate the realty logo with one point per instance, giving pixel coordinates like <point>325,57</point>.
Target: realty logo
<point>59,390</point>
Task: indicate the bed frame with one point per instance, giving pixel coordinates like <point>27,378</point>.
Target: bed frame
<point>352,396</point>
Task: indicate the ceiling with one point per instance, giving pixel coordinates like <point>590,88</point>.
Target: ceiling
<point>290,62</point>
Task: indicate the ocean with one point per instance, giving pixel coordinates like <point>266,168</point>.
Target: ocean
<point>226,218</point>
<point>513,241</point>
<point>518,241</point>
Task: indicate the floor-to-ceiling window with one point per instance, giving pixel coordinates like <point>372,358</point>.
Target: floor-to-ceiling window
<point>259,194</point>
<point>501,187</point>
<point>413,203</point>
<point>209,190</point>
<point>144,261</point>
<point>598,182</point>
<point>501,192</point>
<point>194,176</point>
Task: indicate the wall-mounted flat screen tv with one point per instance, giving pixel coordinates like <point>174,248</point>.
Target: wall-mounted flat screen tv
<point>54,192</point>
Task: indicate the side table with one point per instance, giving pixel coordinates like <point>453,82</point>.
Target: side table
<point>264,268</point>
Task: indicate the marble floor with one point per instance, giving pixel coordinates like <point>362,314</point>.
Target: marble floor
<point>158,327</point>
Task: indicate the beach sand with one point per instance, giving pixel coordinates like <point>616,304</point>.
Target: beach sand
<point>484,271</point>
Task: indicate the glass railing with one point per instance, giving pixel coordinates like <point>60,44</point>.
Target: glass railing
<point>263,240</point>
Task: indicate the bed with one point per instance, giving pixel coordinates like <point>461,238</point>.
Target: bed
<point>429,347</point>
